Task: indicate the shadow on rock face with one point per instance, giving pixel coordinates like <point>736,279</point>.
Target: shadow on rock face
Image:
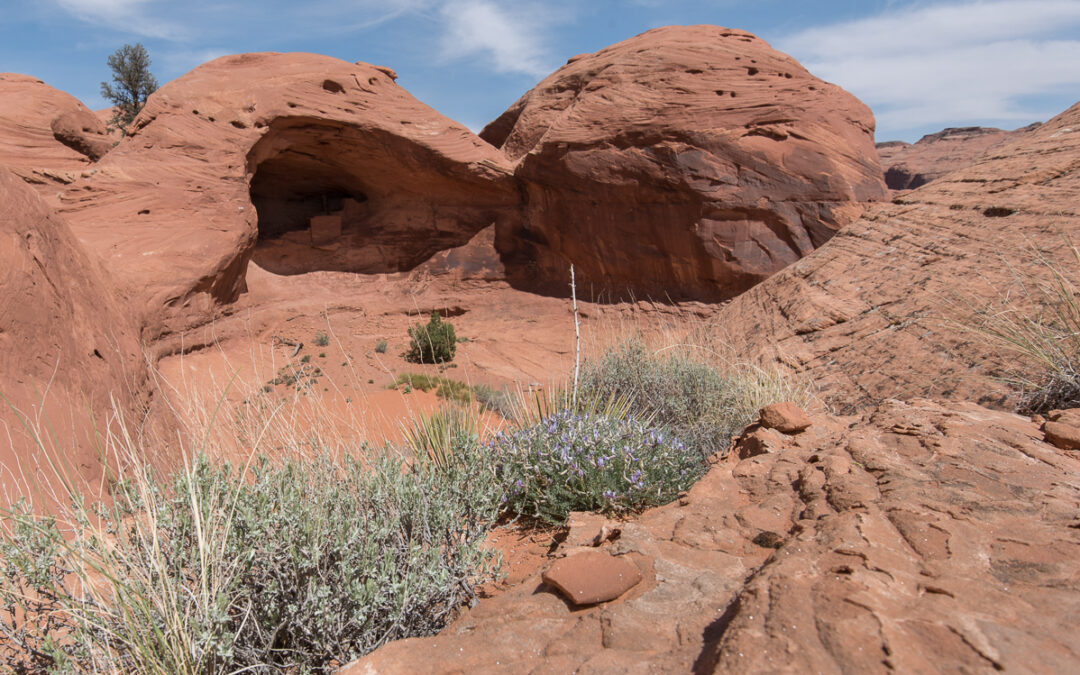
<point>338,197</point>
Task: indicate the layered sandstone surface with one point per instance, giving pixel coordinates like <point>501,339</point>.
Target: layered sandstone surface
<point>911,165</point>
<point>915,538</point>
<point>880,310</point>
<point>68,350</point>
<point>330,165</point>
<point>686,162</point>
<point>48,138</point>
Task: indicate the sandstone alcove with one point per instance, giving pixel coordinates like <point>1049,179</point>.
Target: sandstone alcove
<point>334,196</point>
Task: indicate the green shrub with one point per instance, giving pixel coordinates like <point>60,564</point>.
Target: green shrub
<point>445,388</point>
<point>322,339</point>
<point>433,342</point>
<point>698,403</point>
<point>380,347</point>
<point>298,567</point>
<point>587,462</point>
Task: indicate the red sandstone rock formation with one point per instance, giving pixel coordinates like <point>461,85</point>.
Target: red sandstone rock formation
<point>252,147</point>
<point>684,162</point>
<point>911,165</point>
<point>916,538</point>
<point>877,311</point>
<point>47,137</point>
<point>66,346</point>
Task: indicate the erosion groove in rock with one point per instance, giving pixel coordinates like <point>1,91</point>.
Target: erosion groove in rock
<point>685,162</point>
<point>260,143</point>
<point>879,311</point>
<point>915,538</point>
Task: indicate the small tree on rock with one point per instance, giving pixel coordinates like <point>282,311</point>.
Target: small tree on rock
<point>132,83</point>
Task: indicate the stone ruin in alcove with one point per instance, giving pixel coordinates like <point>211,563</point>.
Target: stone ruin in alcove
<point>335,197</point>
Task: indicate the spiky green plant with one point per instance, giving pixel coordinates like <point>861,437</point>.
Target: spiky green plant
<point>437,435</point>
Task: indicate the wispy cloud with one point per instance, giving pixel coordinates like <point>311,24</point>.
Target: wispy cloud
<point>509,38</point>
<point>951,63</point>
<point>506,36</point>
<point>128,16</point>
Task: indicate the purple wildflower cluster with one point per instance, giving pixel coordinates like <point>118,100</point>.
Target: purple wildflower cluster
<point>574,461</point>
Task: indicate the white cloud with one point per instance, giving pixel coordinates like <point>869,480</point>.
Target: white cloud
<point>502,35</point>
<point>951,63</point>
<point>128,16</point>
<point>511,40</point>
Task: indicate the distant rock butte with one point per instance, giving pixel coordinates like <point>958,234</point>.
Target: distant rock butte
<point>915,538</point>
<point>911,165</point>
<point>251,147</point>
<point>67,345</point>
<point>48,138</point>
<point>878,312</point>
<point>686,162</point>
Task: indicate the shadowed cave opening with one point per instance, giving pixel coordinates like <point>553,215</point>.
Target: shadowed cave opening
<point>289,191</point>
<point>329,196</point>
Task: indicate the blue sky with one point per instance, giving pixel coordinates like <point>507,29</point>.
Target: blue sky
<point>920,65</point>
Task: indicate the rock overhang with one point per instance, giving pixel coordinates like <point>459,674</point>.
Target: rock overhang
<point>172,207</point>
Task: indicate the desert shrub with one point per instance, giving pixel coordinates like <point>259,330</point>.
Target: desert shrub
<point>322,339</point>
<point>495,400</point>
<point>295,566</point>
<point>698,403</point>
<point>380,346</point>
<point>433,342</point>
<point>445,388</point>
<point>1044,333</point>
<point>588,462</point>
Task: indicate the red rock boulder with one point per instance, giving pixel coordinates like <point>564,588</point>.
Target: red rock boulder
<point>684,162</point>
<point>48,138</point>
<point>250,149</point>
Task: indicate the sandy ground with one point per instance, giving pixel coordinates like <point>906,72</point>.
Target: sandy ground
<point>264,353</point>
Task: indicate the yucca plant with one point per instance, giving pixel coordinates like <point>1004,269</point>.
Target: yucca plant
<point>436,435</point>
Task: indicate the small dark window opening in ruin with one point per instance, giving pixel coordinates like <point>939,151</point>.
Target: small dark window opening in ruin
<point>291,189</point>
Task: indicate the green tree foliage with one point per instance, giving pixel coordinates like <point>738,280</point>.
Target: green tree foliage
<point>131,85</point>
<point>433,342</point>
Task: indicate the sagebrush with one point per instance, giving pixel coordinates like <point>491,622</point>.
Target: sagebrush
<point>701,404</point>
<point>297,567</point>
